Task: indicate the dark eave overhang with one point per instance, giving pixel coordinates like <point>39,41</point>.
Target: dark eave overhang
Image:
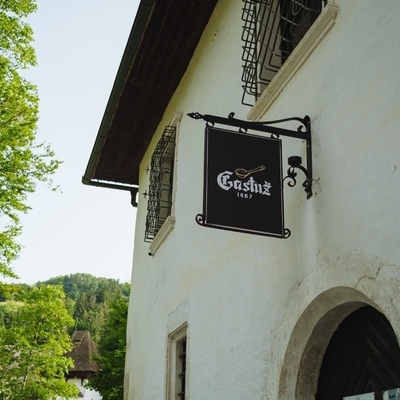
<point>161,44</point>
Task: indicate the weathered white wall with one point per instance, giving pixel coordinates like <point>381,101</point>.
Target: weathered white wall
<point>88,394</point>
<point>251,302</point>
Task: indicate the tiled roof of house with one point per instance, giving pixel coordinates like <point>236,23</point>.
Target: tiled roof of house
<point>82,354</point>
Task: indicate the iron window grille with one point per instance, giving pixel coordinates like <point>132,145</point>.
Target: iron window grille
<point>271,31</point>
<point>159,202</point>
<point>177,363</point>
<point>181,369</point>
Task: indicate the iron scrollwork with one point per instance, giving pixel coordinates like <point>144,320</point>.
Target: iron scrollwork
<point>295,163</point>
<point>200,219</point>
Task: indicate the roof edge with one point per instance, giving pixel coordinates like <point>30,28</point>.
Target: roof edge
<point>143,15</point>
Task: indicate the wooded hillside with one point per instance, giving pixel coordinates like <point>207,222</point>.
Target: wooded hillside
<point>88,300</point>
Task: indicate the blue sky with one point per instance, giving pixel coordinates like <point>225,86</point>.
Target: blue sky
<point>79,45</point>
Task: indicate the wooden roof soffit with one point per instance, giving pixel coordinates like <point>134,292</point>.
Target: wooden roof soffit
<point>161,44</point>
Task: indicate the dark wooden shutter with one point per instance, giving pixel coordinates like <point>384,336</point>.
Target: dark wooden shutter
<point>363,356</point>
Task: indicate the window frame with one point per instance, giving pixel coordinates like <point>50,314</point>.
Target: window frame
<point>159,195</point>
<point>313,38</point>
<point>164,217</point>
<point>177,367</point>
<point>269,40</point>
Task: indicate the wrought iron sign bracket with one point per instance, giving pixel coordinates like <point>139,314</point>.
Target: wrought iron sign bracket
<point>303,132</point>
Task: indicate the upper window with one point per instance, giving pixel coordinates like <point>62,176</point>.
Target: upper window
<point>159,203</point>
<point>271,31</point>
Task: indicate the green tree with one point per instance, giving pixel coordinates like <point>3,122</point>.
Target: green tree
<point>89,299</point>
<point>11,291</point>
<point>8,310</point>
<point>109,379</point>
<point>32,351</point>
<point>23,162</point>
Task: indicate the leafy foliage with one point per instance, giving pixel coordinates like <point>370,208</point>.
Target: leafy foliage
<point>12,291</point>
<point>23,162</point>
<point>16,35</point>
<point>109,380</point>
<point>32,351</point>
<point>8,310</point>
<point>96,304</point>
<point>88,300</point>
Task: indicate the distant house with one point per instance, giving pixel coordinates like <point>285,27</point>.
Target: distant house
<point>84,366</point>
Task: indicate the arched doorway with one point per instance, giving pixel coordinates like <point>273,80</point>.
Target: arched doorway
<point>362,356</point>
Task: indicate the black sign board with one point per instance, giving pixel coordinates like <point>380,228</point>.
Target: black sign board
<point>243,183</point>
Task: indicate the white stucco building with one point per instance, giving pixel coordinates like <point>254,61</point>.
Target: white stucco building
<point>219,314</point>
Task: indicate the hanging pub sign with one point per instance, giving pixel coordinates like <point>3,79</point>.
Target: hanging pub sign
<point>242,183</point>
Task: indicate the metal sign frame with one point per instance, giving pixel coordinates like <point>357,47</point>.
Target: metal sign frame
<point>295,163</point>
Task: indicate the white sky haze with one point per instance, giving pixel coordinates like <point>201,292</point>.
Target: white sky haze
<point>79,45</point>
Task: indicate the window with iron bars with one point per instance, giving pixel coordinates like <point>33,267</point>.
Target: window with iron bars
<point>181,369</point>
<point>177,359</point>
<point>271,31</point>
<point>159,202</point>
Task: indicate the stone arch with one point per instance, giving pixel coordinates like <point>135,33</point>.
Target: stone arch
<point>310,338</point>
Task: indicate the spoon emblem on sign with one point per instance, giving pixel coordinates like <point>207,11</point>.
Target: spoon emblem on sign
<point>244,173</point>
